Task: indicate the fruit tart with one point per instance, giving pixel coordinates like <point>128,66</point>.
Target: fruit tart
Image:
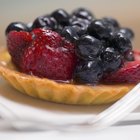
<point>71,58</point>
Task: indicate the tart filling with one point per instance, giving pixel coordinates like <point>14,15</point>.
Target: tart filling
<point>71,58</point>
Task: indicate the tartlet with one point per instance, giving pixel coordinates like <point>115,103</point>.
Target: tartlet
<point>70,58</point>
<point>50,90</point>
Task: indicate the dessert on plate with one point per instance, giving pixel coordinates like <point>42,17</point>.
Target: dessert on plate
<point>71,58</point>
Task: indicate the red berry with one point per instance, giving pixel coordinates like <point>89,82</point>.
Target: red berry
<point>49,55</point>
<point>137,55</point>
<point>129,73</point>
<point>17,42</point>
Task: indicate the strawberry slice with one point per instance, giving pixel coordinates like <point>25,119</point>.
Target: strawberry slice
<point>43,53</point>
<point>49,55</point>
<point>17,42</point>
<point>129,73</point>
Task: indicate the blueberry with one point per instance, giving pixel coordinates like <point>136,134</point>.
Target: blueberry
<point>100,29</point>
<point>53,23</point>
<point>29,25</point>
<point>88,47</point>
<point>61,16</point>
<point>80,25</point>
<point>70,34</point>
<point>83,13</point>
<point>73,19</point>
<point>88,72</point>
<point>17,26</point>
<point>106,43</point>
<point>77,30</point>
<point>59,28</point>
<point>112,22</point>
<point>127,32</point>
<point>45,22</point>
<point>129,56</point>
<point>122,43</point>
<point>111,60</point>
<point>39,22</point>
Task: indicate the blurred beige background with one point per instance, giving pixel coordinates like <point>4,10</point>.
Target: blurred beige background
<point>126,11</point>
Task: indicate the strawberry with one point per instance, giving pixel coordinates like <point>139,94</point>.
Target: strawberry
<point>49,55</point>
<point>137,55</point>
<point>129,73</point>
<point>17,42</point>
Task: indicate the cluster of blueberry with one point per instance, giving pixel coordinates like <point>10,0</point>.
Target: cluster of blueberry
<point>102,46</point>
